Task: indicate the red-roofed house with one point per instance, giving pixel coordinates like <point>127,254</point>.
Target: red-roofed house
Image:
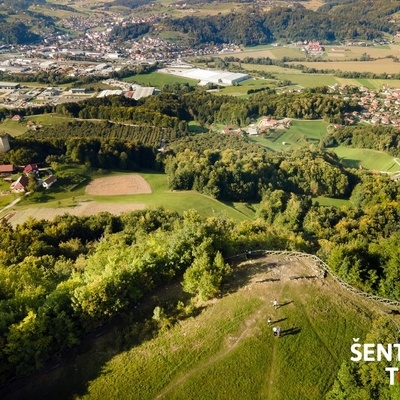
<point>30,168</point>
<point>49,181</point>
<point>6,169</point>
<point>20,184</point>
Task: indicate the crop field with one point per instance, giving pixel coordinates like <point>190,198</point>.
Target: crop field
<point>312,80</point>
<point>239,358</point>
<point>272,69</point>
<point>55,13</point>
<point>83,199</point>
<point>377,66</point>
<point>14,128</point>
<point>259,51</point>
<point>308,80</point>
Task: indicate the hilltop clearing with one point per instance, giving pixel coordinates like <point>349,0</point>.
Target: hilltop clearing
<point>228,351</point>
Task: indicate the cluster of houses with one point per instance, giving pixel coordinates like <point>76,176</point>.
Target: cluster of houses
<point>313,48</point>
<point>263,125</point>
<point>20,185</point>
<point>379,107</point>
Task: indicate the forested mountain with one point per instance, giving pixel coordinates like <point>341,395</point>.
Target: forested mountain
<point>332,22</point>
<point>28,31</point>
<point>20,4</point>
<point>16,33</point>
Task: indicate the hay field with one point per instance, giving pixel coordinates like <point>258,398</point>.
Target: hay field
<point>376,66</point>
<point>118,185</point>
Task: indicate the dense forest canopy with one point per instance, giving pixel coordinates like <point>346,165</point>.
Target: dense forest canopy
<point>18,32</point>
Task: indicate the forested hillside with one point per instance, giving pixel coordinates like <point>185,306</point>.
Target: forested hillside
<point>333,21</point>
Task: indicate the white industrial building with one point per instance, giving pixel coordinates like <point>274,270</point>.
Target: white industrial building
<point>205,76</point>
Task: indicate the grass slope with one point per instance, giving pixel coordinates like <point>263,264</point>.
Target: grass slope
<point>369,159</point>
<point>228,351</point>
<point>300,133</point>
<point>161,196</point>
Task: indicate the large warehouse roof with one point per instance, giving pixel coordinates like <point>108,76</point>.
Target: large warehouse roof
<point>209,76</point>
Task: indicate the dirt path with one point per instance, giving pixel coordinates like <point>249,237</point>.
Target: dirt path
<point>271,377</point>
<point>231,343</point>
<point>262,274</point>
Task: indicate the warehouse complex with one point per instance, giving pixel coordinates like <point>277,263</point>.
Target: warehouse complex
<point>205,76</point>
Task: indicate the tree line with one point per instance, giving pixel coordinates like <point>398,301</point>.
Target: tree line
<point>376,137</point>
<point>67,276</point>
<point>239,175</point>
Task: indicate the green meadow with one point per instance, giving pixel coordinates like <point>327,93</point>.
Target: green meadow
<point>17,128</point>
<point>366,158</point>
<point>300,133</point>
<point>226,351</point>
<point>61,196</point>
<point>158,79</point>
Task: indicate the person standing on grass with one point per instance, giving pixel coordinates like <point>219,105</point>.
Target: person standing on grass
<point>269,321</point>
<point>275,303</point>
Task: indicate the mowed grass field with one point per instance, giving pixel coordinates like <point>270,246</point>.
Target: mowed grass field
<point>369,159</point>
<point>228,351</point>
<point>61,198</point>
<point>299,134</point>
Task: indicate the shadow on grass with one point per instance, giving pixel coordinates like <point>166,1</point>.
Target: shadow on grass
<point>350,163</point>
<point>40,197</point>
<point>269,280</point>
<point>285,303</point>
<point>67,374</point>
<point>291,331</point>
<point>278,320</point>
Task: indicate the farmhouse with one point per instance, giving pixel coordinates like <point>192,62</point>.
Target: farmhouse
<point>314,48</point>
<point>139,92</point>
<point>6,169</point>
<point>20,184</point>
<point>49,181</point>
<point>267,123</point>
<point>31,168</point>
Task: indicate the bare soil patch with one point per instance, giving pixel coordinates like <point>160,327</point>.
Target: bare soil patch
<point>118,185</point>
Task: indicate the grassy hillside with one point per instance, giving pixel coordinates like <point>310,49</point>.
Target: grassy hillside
<point>60,199</point>
<point>228,351</point>
<point>300,133</point>
<point>369,159</point>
